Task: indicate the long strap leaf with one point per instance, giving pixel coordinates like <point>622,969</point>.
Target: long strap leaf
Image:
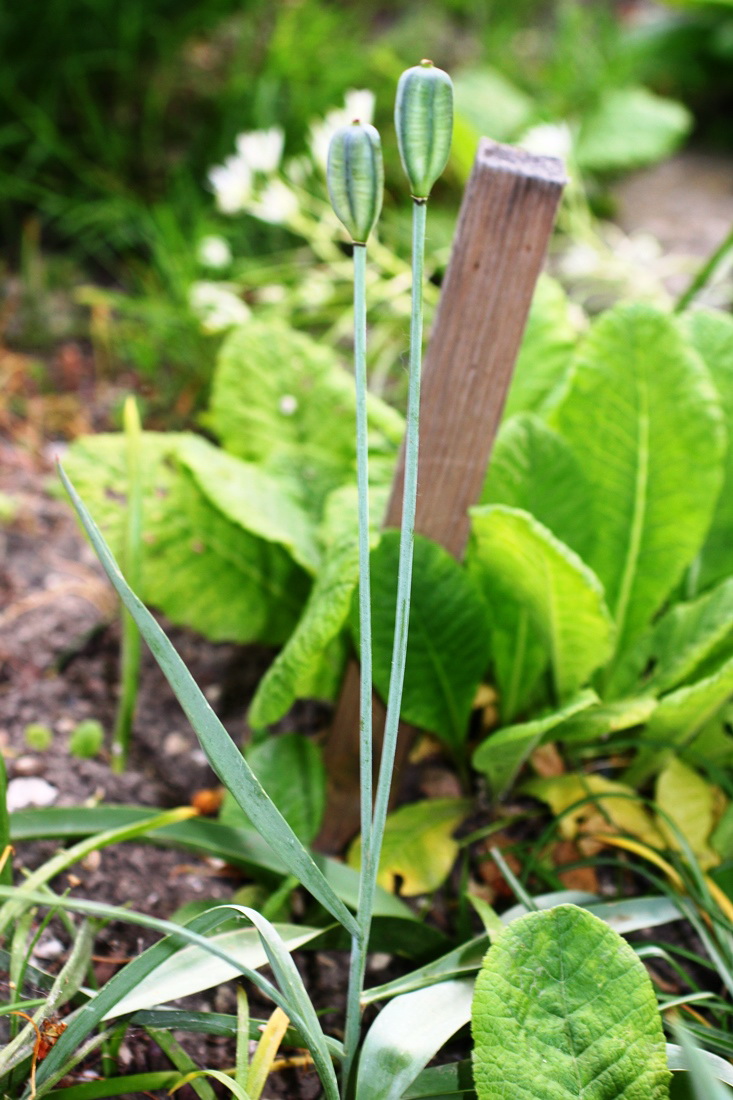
<point>221,752</point>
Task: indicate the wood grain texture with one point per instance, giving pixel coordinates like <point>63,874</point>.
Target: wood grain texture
<point>504,227</point>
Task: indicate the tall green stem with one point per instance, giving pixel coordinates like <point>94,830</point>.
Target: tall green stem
<point>358,952</point>
<point>131,644</point>
<point>370,857</point>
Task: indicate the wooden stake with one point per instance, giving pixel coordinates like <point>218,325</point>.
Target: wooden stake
<point>503,231</point>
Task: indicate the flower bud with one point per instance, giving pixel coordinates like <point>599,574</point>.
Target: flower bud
<point>424,123</point>
<point>355,178</point>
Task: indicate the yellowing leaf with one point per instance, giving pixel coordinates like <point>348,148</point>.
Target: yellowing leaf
<point>418,850</point>
<point>690,803</point>
<point>616,808</point>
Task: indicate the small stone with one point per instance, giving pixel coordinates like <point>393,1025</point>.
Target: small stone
<point>93,861</point>
<point>198,757</point>
<point>380,960</point>
<point>28,765</point>
<point>65,725</point>
<point>25,792</point>
<point>48,949</point>
<point>175,744</point>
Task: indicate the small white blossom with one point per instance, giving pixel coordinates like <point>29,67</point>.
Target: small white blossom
<point>358,104</point>
<point>231,183</point>
<point>548,139</point>
<point>214,252</point>
<point>276,203</point>
<point>217,305</point>
<point>288,404</point>
<point>262,149</point>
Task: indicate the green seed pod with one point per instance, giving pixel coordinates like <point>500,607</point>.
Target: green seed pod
<point>424,123</point>
<point>355,177</point>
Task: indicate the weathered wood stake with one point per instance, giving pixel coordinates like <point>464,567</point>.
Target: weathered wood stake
<point>503,231</point>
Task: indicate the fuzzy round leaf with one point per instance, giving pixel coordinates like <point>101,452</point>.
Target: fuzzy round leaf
<point>355,177</point>
<point>424,124</point>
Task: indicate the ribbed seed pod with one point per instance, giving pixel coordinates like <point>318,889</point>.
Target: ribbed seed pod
<point>424,123</point>
<point>355,177</point>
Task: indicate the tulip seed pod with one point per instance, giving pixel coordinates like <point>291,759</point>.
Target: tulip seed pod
<point>355,177</point>
<point>424,123</point>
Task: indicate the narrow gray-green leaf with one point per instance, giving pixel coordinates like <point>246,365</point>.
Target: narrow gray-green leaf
<point>504,751</point>
<point>534,468</point>
<point>300,1010</point>
<point>290,768</point>
<point>561,596</point>
<point>706,1070</point>
<point>564,1009</point>
<point>407,1034</point>
<point>193,969</point>
<point>221,752</point>
<point>199,567</point>
<point>640,403</point>
<point>448,646</point>
<point>711,334</point>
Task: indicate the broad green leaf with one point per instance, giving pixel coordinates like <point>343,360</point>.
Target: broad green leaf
<point>281,399</point>
<point>711,334</point>
<point>251,498</point>
<point>686,798</point>
<point>713,744</point>
<point>302,668</point>
<point>546,353</point>
<point>503,752</point>
<point>512,553</point>
<point>192,969</point>
<point>534,468</point>
<point>691,636</point>
<point>680,716</point>
<point>407,1034</point>
<point>448,645</point>
<point>290,768</point>
<point>603,801</point>
<point>598,722</point>
<point>640,403</point>
<point>491,104</point>
<point>418,850</point>
<point>564,1009</point>
<point>629,128</point>
<point>200,568</point>
<point>221,752</point>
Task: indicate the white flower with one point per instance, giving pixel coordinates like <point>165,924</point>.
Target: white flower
<point>217,305</point>
<point>214,252</point>
<point>276,204</point>
<point>358,104</point>
<point>262,149</point>
<point>548,139</point>
<point>232,184</point>
<point>288,404</point>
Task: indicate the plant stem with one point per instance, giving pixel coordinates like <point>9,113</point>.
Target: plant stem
<point>370,857</point>
<point>358,949</point>
<point>131,644</point>
<point>704,274</point>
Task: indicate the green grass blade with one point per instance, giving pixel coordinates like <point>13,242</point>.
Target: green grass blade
<point>221,752</point>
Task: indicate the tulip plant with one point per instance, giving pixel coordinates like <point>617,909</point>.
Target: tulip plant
<point>563,1007</point>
